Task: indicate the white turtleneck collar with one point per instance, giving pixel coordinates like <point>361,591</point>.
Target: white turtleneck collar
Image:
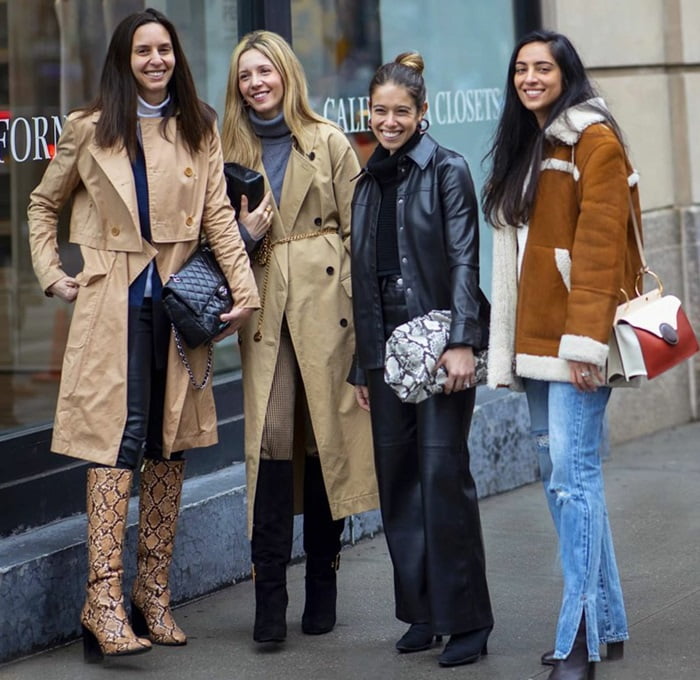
<point>146,110</point>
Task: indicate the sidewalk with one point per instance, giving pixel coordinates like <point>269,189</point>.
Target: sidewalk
<point>653,488</point>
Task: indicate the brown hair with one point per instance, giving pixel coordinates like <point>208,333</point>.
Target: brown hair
<point>406,70</point>
<point>117,103</point>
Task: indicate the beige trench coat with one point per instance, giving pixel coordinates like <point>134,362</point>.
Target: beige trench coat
<point>185,191</point>
<point>309,283</point>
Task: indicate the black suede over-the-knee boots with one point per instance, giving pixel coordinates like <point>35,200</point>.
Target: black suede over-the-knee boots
<point>322,545</point>
<point>271,548</point>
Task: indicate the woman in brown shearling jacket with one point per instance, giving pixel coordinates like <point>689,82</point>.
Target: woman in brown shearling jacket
<point>560,194</point>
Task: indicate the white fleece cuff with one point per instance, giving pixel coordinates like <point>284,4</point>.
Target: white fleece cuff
<point>582,348</point>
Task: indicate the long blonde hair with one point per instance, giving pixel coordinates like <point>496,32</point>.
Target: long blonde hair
<point>240,143</point>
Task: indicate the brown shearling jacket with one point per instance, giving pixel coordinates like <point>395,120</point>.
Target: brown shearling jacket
<point>578,253</point>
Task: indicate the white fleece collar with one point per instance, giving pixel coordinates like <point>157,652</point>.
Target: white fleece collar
<point>568,127</point>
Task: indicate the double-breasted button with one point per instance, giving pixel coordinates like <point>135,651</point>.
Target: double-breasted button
<point>344,323</point>
<point>330,271</point>
<point>312,156</point>
<point>318,221</point>
<point>189,172</point>
<point>115,231</point>
<point>189,221</point>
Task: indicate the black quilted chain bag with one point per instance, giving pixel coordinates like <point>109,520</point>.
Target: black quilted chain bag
<point>194,298</point>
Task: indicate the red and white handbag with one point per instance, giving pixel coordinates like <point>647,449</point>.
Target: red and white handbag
<point>651,333</point>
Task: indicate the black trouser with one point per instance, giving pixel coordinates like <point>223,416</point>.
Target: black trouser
<point>148,339</point>
<point>428,498</point>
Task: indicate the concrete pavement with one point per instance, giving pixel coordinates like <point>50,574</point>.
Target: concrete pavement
<point>653,489</point>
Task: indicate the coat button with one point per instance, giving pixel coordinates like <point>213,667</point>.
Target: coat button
<point>400,201</point>
<point>344,323</point>
<point>189,221</point>
<point>189,172</point>
<point>312,156</point>
<point>404,260</point>
<point>330,271</point>
<point>115,231</point>
<point>318,221</point>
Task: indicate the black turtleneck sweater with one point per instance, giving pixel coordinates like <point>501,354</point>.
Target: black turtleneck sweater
<point>384,167</point>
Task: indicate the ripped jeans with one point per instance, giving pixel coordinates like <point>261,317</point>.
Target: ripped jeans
<point>567,427</point>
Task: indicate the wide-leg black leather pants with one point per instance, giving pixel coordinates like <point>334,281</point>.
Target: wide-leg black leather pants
<point>428,498</point>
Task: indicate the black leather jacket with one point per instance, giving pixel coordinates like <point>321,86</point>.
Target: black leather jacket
<point>438,238</point>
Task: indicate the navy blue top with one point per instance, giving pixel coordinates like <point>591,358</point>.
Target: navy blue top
<point>138,287</point>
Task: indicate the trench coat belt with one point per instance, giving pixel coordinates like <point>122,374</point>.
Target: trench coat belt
<point>262,257</point>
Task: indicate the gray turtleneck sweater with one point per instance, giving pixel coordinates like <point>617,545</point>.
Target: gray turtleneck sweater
<point>276,140</point>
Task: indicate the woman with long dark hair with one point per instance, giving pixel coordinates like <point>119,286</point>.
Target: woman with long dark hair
<point>143,167</point>
<point>560,195</point>
<point>415,249</point>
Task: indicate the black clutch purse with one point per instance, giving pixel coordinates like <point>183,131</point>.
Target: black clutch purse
<point>243,181</point>
<point>194,298</point>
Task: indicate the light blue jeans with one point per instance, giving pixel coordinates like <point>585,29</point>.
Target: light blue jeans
<point>567,427</point>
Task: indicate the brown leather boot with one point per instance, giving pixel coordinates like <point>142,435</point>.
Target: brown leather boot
<point>106,629</point>
<point>159,505</point>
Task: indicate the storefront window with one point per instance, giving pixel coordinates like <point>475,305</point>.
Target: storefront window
<point>51,54</point>
<point>465,45</point>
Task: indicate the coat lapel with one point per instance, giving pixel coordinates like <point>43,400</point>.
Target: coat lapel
<point>117,169</point>
<point>297,180</point>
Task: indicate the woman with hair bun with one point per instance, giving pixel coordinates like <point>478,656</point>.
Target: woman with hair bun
<point>415,248</point>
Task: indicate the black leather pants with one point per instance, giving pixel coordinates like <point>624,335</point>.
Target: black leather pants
<point>428,498</point>
<point>148,338</point>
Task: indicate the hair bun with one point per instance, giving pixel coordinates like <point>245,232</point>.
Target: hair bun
<point>412,60</point>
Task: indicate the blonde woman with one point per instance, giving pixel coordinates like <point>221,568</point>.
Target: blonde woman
<point>301,421</point>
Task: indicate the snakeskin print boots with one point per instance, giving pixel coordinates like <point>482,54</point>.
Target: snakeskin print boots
<point>106,628</point>
<point>159,504</point>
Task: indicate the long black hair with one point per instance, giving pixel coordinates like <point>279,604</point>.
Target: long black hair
<point>117,101</point>
<point>517,145</point>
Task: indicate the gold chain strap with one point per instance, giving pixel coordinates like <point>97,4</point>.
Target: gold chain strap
<point>262,257</point>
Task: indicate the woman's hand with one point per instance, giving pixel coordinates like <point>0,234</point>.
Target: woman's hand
<point>586,377</point>
<point>66,288</point>
<point>257,222</point>
<point>362,396</point>
<point>236,318</point>
<point>460,366</point>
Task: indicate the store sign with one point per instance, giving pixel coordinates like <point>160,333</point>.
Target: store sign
<point>29,139</point>
<point>445,108</point>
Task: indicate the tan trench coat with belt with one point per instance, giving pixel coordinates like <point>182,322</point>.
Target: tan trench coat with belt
<point>309,284</point>
<point>185,191</point>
